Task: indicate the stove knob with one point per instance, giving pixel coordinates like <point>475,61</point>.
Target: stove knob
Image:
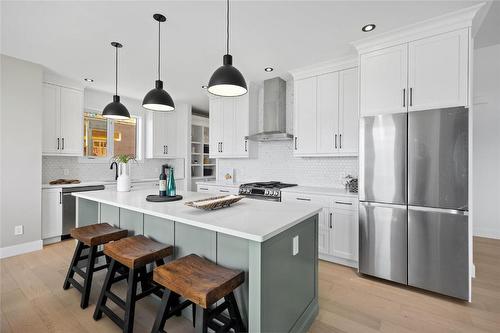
<point>276,193</point>
<point>266,192</point>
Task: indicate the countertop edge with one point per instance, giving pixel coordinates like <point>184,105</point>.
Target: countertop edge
<point>316,190</point>
<point>252,237</point>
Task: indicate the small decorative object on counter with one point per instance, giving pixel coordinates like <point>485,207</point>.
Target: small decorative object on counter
<point>123,181</point>
<point>351,184</point>
<point>171,191</point>
<point>163,181</point>
<point>227,175</point>
<point>215,202</point>
<point>158,198</point>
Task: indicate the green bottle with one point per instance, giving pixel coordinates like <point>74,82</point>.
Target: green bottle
<point>171,183</point>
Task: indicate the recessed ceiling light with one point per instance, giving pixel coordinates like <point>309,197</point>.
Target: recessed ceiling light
<point>368,27</point>
<point>88,80</point>
<point>269,69</point>
<point>204,87</point>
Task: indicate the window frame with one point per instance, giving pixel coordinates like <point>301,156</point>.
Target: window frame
<point>110,127</point>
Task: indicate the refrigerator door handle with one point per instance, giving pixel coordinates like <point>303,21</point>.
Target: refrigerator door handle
<point>380,204</point>
<point>404,97</point>
<point>440,210</point>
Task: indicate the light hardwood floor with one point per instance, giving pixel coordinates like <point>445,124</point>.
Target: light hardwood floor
<point>32,299</point>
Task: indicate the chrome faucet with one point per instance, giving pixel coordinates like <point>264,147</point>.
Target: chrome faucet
<point>116,169</point>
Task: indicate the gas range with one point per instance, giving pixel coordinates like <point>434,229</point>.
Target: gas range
<point>264,190</point>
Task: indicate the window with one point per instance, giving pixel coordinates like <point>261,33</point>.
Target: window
<point>97,141</point>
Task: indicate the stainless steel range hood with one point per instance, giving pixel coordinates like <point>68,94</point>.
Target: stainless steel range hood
<point>272,117</point>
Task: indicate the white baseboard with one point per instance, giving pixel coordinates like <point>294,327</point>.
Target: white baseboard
<point>487,233</point>
<point>15,250</point>
<point>337,260</point>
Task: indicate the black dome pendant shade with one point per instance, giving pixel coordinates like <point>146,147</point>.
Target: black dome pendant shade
<point>115,109</point>
<point>227,80</point>
<point>158,99</point>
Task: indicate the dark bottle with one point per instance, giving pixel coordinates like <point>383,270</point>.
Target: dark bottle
<point>163,181</point>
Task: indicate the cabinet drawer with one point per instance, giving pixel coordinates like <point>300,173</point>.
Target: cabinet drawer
<point>305,198</point>
<point>221,190</point>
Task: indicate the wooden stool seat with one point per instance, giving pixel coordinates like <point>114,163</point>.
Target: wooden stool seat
<point>98,234</point>
<point>202,283</point>
<point>137,251</point>
<point>198,279</point>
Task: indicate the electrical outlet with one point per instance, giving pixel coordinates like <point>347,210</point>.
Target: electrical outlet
<point>66,172</point>
<point>18,230</point>
<point>295,242</point>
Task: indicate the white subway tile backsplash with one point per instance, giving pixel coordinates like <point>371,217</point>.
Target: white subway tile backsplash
<point>276,162</point>
<point>55,167</point>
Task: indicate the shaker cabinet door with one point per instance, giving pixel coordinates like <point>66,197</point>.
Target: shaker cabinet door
<point>305,116</point>
<point>71,121</point>
<point>384,80</point>
<point>438,71</point>
<point>51,141</point>
<point>348,112</point>
<point>327,113</point>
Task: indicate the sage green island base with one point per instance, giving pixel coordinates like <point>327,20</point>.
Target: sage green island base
<point>280,293</point>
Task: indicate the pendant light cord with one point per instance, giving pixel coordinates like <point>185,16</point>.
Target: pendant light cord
<point>227,27</point>
<point>116,70</point>
<point>159,49</point>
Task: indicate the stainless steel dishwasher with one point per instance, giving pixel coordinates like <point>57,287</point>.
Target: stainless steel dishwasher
<point>69,206</point>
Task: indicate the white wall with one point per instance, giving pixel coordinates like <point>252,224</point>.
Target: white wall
<point>486,142</point>
<point>20,152</point>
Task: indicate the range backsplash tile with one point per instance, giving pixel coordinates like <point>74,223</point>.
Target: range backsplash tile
<point>276,162</point>
<point>53,167</point>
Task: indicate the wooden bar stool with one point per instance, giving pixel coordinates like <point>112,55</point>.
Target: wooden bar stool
<point>133,253</point>
<point>89,237</point>
<point>202,283</point>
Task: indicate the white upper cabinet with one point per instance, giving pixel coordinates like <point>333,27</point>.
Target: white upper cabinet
<point>229,125</point>
<point>71,121</point>
<point>62,125</point>
<point>348,112</point>
<point>326,114</point>
<point>427,73</point>
<point>383,76</point>
<point>51,141</point>
<point>437,75</point>
<point>166,134</point>
<point>305,124</point>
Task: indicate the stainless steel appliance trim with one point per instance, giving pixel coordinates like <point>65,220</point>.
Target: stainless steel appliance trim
<point>379,204</point>
<point>304,199</point>
<point>440,210</point>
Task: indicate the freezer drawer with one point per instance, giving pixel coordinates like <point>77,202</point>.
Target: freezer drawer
<point>383,241</point>
<point>382,158</point>
<point>438,158</point>
<point>438,257</point>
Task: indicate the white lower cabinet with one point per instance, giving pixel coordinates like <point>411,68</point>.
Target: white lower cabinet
<point>337,226</point>
<point>51,213</point>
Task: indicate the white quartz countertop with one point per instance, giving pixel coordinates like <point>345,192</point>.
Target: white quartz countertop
<point>97,182</point>
<point>255,220</point>
<point>333,191</point>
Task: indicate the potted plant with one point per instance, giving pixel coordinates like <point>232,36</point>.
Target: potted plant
<point>123,181</point>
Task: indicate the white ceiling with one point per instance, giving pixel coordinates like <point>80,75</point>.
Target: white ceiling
<point>72,38</point>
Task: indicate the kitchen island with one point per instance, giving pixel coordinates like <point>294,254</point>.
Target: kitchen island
<point>274,243</point>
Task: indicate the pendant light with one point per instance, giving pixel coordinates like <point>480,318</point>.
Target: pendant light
<point>227,80</point>
<point>115,109</point>
<point>158,99</point>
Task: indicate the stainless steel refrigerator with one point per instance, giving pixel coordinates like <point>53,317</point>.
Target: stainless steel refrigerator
<point>413,216</point>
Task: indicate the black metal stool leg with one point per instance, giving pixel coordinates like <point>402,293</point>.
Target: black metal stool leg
<point>108,281</point>
<point>130,302</point>
<point>76,258</point>
<point>204,327</point>
<point>234,312</point>
<point>88,277</point>
<point>193,310</point>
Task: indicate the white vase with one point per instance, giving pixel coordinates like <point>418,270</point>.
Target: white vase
<point>123,181</point>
